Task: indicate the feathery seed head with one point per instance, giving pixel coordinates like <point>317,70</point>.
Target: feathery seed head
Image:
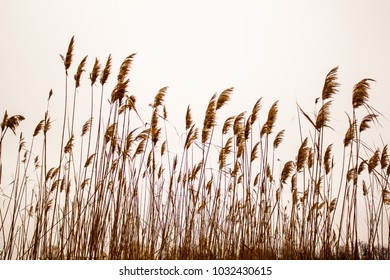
<point>69,145</point>
<point>330,85</point>
<point>302,155</point>
<point>287,170</point>
<point>119,91</point>
<point>210,119</point>
<point>374,161</point>
<point>125,67</point>
<point>106,71</point>
<point>38,128</point>
<point>224,98</point>
<point>255,111</point>
<point>69,55</point>
<point>360,93</point>
<point>323,115</point>
<point>228,124</point>
<point>95,72</point>
<point>188,118</point>
<point>269,124</point>
<point>11,122</point>
<point>365,123</point>
<point>254,151</point>
<point>159,98</point>
<point>328,159</point>
<point>278,139</point>
<point>80,70</point>
<point>86,127</point>
<point>362,166</point>
<point>384,158</point>
<point>350,134</point>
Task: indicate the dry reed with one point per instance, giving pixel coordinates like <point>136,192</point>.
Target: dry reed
<point>122,190</point>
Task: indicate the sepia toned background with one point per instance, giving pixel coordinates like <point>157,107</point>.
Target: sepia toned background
<point>274,50</point>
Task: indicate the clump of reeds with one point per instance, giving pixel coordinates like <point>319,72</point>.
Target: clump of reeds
<point>122,189</point>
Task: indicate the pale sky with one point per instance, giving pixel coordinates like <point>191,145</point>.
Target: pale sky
<point>278,50</point>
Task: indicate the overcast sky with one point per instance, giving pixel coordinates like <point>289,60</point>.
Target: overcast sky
<point>278,50</point>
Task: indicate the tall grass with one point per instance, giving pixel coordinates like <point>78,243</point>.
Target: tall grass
<point>122,190</point>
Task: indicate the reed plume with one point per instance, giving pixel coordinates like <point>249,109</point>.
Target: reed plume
<point>69,55</point>
<point>360,93</point>
<point>80,70</point>
<point>330,84</point>
<point>106,71</point>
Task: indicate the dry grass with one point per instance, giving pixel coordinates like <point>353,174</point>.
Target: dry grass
<point>121,190</point>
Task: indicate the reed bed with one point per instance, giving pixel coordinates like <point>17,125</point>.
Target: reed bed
<point>120,188</point>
